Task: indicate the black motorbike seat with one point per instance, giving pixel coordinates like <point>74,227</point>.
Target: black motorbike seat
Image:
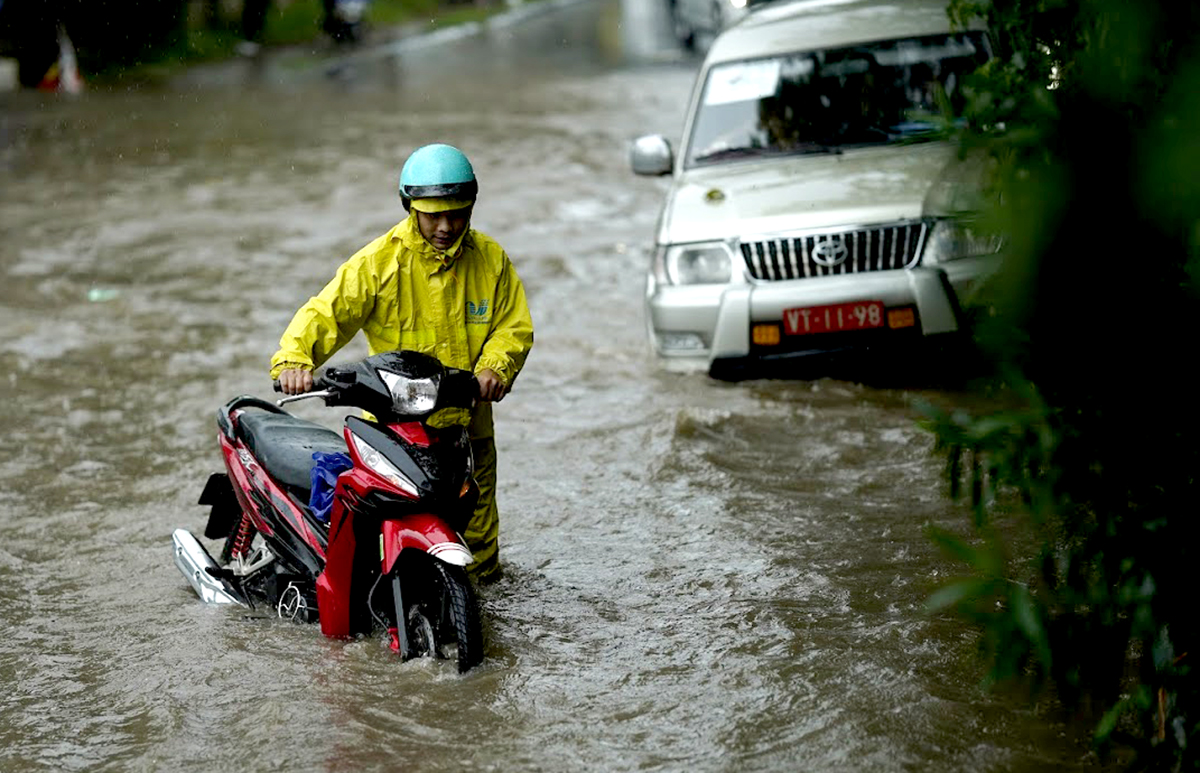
<point>284,445</point>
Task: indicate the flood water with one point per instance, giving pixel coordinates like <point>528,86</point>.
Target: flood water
<point>700,576</point>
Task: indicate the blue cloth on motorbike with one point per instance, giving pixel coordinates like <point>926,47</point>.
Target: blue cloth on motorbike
<point>324,480</point>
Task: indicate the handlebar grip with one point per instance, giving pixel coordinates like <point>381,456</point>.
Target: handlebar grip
<point>277,386</point>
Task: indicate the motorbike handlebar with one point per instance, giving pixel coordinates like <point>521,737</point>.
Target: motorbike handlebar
<point>320,389</point>
<point>319,382</point>
<point>460,388</point>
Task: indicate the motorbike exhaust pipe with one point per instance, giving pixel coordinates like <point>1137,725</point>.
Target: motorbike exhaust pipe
<point>192,559</point>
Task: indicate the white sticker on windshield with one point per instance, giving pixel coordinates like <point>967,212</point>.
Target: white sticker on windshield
<point>742,82</point>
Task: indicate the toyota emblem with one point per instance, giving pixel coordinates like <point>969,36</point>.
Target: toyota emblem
<point>830,252</point>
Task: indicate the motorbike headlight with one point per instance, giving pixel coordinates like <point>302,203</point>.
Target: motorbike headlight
<point>694,264</point>
<point>410,396</point>
<point>378,464</point>
<point>953,239</point>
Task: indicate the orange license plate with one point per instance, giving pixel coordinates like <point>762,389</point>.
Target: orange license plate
<point>859,315</point>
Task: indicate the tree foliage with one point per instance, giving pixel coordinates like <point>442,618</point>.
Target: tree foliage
<point>1091,110</point>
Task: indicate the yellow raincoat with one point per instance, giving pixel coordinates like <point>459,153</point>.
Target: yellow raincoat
<point>466,307</point>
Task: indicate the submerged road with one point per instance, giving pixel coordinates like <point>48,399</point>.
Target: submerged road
<point>700,576</point>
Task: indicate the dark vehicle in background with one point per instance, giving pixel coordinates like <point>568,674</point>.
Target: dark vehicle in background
<point>816,205</point>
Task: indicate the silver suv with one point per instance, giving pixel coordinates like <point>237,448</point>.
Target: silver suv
<point>811,210</point>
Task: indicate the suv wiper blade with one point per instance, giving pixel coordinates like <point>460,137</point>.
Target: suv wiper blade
<point>817,147</point>
<point>727,153</point>
<point>802,149</point>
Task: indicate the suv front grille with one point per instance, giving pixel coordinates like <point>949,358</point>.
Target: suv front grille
<point>843,252</point>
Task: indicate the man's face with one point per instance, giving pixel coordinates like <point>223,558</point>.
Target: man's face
<point>442,229</point>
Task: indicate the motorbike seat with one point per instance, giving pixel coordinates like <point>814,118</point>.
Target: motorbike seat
<point>284,445</point>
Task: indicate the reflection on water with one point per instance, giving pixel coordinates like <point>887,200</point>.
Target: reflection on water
<point>701,576</point>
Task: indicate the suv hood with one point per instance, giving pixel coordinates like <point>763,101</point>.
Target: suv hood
<point>825,192</point>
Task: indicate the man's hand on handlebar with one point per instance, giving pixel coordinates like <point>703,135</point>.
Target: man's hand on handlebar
<point>295,381</point>
<point>491,387</point>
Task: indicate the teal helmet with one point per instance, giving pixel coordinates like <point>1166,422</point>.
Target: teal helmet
<point>437,172</point>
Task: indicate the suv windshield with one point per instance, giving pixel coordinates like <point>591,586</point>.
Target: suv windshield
<point>818,101</point>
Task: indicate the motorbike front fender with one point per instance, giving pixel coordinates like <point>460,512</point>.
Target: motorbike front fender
<point>341,600</point>
<point>424,532</point>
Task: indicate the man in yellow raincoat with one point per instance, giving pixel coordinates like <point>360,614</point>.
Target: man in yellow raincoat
<point>434,285</point>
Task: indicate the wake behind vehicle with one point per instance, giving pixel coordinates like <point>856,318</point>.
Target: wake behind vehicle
<point>817,211</point>
<point>390,556</point>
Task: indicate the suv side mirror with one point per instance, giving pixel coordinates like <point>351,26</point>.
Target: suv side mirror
<point>651,155</point>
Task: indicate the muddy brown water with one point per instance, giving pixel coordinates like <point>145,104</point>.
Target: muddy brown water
<point>700,576</point>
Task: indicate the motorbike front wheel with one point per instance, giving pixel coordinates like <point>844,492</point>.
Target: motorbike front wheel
<point>443,619</point>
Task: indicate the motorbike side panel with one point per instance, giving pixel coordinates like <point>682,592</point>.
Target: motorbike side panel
<point>274,514</point>
<point>334,584</point>
<point>342,601</point>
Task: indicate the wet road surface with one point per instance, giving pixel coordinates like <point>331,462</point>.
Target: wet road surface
<point>700,576</point>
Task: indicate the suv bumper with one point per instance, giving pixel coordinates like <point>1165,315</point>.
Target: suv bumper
<point>710,326</point>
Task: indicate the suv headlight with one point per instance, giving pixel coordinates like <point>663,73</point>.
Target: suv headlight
<point>951,239</point>
<point>694,264</point>
<point>410,396</point>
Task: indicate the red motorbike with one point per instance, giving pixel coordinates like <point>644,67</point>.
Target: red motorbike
<point>390,554</point>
